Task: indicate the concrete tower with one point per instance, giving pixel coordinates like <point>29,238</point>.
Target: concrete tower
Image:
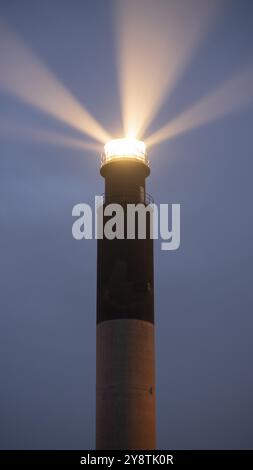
<point>125,394</point>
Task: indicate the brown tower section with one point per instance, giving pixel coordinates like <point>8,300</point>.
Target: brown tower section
<point>125,394</point>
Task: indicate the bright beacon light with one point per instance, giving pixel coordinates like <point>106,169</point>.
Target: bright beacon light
<point>124,148</point>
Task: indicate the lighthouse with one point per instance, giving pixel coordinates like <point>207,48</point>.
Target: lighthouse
<point>125,349</point>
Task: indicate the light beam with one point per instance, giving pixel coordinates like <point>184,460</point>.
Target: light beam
<point>231,96</point>
<point>25,76</point>
<point>9,128</point>
<point>156,41</point>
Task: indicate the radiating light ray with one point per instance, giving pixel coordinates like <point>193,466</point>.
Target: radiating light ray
<point>25,76</point>
<point>231,96</point>
<point>9,128</point>
<point>156,40</point>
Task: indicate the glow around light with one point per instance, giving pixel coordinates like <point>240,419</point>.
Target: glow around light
<point>125,148</point>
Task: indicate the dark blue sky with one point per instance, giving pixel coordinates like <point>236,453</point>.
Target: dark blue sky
<point>204,294</point>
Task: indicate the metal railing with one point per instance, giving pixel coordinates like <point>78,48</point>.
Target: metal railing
<point>129,197</point>
<point>106,159</point>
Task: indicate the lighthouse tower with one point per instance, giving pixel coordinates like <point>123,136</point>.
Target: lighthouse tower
<point>125,361</point>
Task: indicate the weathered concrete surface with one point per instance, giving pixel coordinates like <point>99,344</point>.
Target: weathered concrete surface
<point>125,408</point>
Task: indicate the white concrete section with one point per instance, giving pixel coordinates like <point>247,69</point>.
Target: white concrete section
<point>125,385</point>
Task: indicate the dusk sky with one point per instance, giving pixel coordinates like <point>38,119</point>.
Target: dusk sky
<point>203,291</point>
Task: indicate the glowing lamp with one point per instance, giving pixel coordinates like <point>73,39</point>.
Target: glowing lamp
<point>124,148</point>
